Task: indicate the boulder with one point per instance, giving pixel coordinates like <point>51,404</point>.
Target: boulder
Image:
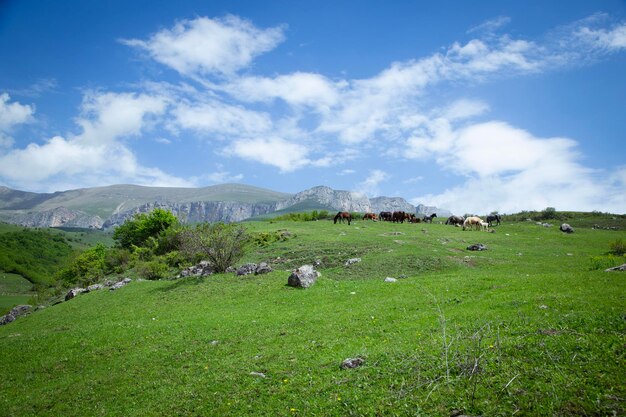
<point>14,313</point>
<point>303,277</point>
<point>74,292</point>
<point>352,363</point>
<point>95,287</point>
<point>566,228</point>
<point>120,284</point>
<point>477,246</point>
<point>263,268</point>
<point>247,269</point>
<point>616,268</point>
<point>352,261</point>
<point>200,270</point>
<point>390,279</point>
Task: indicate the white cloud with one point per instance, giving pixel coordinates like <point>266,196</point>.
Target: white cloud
<point>109,116</point>
<point>277,152</point>
<point>297,89</point>
<point>612,39</point>
<point>207,46</point>
<point>220,118</point>
<point>370,185</point>
<point>491,25</point>
<point>13,114</point>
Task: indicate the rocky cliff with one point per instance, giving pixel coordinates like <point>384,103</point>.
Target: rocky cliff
<point>58,217</point>
<point>391,204</point>
<point>327,197</point>
<point>428,210</point>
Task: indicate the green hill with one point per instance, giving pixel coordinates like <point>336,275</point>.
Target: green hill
<point>528,327</point>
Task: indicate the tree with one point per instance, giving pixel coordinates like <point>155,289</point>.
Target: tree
<point>143,226</point>
<point>222,245</point>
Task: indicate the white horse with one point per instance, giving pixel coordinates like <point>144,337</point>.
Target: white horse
<point>473,221</point>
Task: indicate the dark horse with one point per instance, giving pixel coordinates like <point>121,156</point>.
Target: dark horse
<point>454,220</point>
<point>493,218</point>
<point>370,216</point>
<point>429,219</point>
<point>343,215</point>
<point>385,216</point>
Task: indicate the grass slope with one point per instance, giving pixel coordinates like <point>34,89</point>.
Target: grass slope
<point>523,328</point>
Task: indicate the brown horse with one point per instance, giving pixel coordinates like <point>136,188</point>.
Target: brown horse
<point>343,215</point>
<point>370,216</point>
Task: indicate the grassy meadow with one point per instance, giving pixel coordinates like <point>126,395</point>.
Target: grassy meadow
<point>532,326</point>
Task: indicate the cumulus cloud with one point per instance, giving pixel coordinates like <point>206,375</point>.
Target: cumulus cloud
<point>12,114</point>
<point>209,46</point>
<point>277,152</point>
<point>220,118</point>
<point>370,185</point>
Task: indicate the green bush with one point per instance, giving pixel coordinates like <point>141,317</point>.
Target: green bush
<point>152,270</point>
<point>222,245</point>
<point>87,268</point>
<point>618,247</point>
<point>117,260</point>
<point>138,230</point>
<point>606,261</point>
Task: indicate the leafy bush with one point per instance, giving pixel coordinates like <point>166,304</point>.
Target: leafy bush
<point>618,247</point>
<point>87,268</point>
<point>138,230</point>
<point>152,270</point>
<point>222,245</point>
<point>304,216</point>
<point>267,238</point>
<point>606,261</point>
<point>117,260</point>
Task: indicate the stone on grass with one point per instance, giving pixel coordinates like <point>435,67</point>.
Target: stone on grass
<point>120,284</point>
<point>352,261</point>
<point>15,312</point>
<point>200,270</point>
<point>247,269</point>
<point>303,277</point>
<point>566,228</point>
<point>95,287</point>
<point>477,246</point>
<point>616,268</point>
<point>263,268</point>
<point>390,279</point>
<point>352,363</point>
<point>73,293</point>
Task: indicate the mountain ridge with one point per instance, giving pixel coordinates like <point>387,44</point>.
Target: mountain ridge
<point>108,206</point>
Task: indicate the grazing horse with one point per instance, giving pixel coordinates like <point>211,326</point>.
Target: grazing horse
<point>473,221</point>
<point>494,218</point>
<point>454,220</point>
<point>398,216</point>
<point>414,219</point>
<point>429,219</point>
<point>370,216</point>
<point>341,216</point>
<point>385,216</point>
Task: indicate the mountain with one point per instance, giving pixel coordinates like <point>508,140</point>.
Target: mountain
<point>105,207</point>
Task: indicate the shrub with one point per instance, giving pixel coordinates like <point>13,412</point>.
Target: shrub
<point>222,245</point>
<point>618,247</point>
<point>138,230</point>
<point>87,268</point>
<point>117,260</point>
<point>152,270</point>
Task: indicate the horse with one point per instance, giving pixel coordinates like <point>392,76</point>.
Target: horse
<point>455,220</point>
<point>494,218</point>
<point>473,221</point>
<point>414,219</point>
<point>398,216</point>
<point>341,216</point>
<point>429,219</point>
<point>385,216</point>
<point>370,216</point>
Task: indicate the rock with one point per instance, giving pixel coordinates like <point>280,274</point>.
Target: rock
<point>263,268</point>
<point>616,268</point>
<point>546,224</point>
<point>303,277</point>
<point>120,284</point>
<point>352,261</point>
<point>352,363</point>
<point>108,283</point>
<point>200,270</point>
<point>247,269</point>
<point>566,228</point>
<point>15,312</point>
<point>74,292</point>
<point>390,279</point>
<point>477,246</point>
<point>259,374</point>
<point>95,287</point>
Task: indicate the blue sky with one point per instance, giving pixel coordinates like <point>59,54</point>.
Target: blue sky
<point>499,105</point>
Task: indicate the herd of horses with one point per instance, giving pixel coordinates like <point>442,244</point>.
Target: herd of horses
<point>471,222</point>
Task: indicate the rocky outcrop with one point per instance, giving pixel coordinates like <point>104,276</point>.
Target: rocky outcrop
<point>428,210</point>
<point>199,211</point>
<point>391,204</point>
<point>58,217</point>
<point>14,313</point>
<point>327,197</point>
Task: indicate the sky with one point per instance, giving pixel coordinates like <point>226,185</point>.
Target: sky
<point>469,106</point>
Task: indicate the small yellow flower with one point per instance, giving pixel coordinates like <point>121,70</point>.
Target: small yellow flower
<point>293,410</point>
<point>490,346</point>
<point>338,398</point>
<point>285,380</point>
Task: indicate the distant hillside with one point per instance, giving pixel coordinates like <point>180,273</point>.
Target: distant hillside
<point>104,207</point>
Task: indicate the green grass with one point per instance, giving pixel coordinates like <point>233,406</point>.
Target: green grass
<point>14,290</point>
<point>524,328</point>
